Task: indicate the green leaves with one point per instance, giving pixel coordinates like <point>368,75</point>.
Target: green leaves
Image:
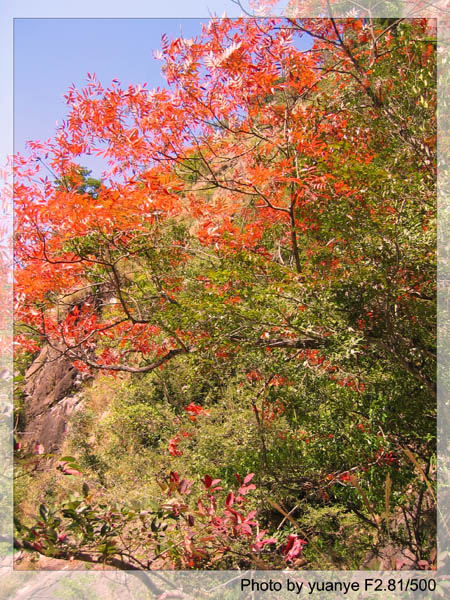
<point>43,511</point>
<point>283,263</point>
<point>108,548</point>
<point>85,490</point>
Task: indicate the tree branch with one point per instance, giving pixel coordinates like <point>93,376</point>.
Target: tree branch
<point>87,557</point>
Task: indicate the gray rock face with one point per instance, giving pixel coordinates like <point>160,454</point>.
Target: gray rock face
<point>51,396</point>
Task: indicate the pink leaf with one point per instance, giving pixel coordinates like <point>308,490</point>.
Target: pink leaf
<point>293,547</point>
<point>201,508</point>
<point>212,505</point>
<point>230,500</point>
<point>185,486</point>
<point>248,478</point>
<point>70,471</point>
<point>246,488</point>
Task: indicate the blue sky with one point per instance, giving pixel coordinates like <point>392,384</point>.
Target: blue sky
<point>51,54</point>
<point>73,9</point>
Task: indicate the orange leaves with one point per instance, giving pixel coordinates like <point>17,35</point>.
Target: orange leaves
<point>233,300</point>
<point>195,410</point>
<point>278,381</point>
<point>254,375</point>
<point>173,446</point>
<point>225,57</point>
<point>52,219</point>
<point>25,344</point>
<point>248,151</point>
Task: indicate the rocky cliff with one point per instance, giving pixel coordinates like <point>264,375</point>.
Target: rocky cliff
<point>52,394</point>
